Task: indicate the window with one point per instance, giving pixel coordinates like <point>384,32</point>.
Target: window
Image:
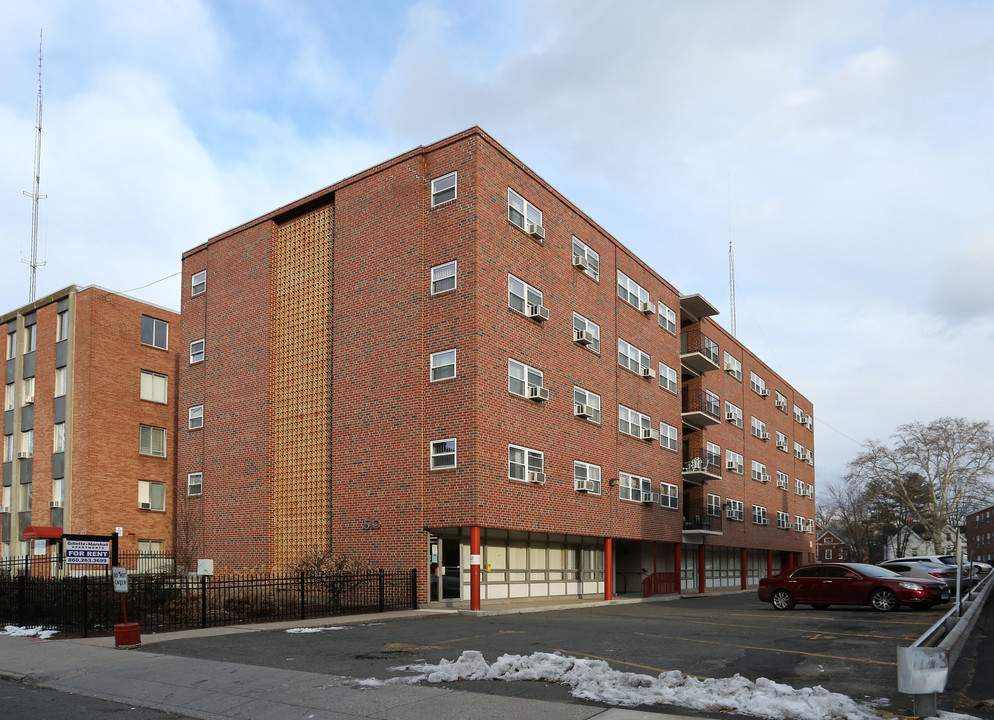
<point>8,448</point>
<point>61,381</point>
<point>632,358</point>
<point>668,378</point>
<point>669,496</point>
<point>811,492</point>
<point>197,351</point>
<point>759,515</point>
<point>634,423</point>
<point>521,212</point>
<point>798,451</point>
<point>712,454</point>
<point>799,523</point>
<point>443,365</point>
<point>733,366</point>
<point>783,520</point>
<point>443,454</point>
<point>733,414</point>
<point>667,318</point>
<point>443,277</point>
<point>196,417</point>
<point>712,404</point>
<point>734,462</point>
<point>669,437</point>
<point>195,483</point>
<point>198,283</point>
<point>734,509</point>
<point>152,441</point>
<point>151,547</point>
<point>62,326</point>
<point>153,387</point>
<point>28,388</point>
<point>443,189</point>
<point>8,397</point>
<point>757,384</point>
<point>798,414</point>
<point>632,293</point>
<point>759,472</point>
<point>151,495</point>
<point>799,487</point>
<point>11,345</point>
<point>828,553</point>
<point>586,333</point>
<point>587,403</point>
<point>783,480</point>
<point>59,437</point>
<point>634,487</point>
<point>521,377</point>
<point>155,332</point>
<point>28,441</point>
<point>522,297</point>
<point>587,477</point>
<point>585,258</point>
<point>759,429</point>
<point>30,338</point>
<point>782,442</point>
<point>714,505</point>
<point>525,464</point>
<point>781,401</point>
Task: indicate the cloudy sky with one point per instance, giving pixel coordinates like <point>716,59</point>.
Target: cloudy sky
<point>846,147</point>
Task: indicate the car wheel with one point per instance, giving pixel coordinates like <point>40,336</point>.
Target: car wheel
<point>781,600</point>
<point>883,600</point>
<point>819,606</point>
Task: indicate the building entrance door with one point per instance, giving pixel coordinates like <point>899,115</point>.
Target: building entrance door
<point>444,571</point>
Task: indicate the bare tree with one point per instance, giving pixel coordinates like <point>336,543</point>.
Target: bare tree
<point>951,459</point>
<point>853,518</point>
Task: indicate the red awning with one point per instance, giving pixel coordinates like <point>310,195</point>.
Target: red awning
<point>33,532</point>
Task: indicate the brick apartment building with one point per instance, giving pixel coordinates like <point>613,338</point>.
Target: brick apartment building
<point>980,535</point>
<point>442,363</point>
<point>89,422</point>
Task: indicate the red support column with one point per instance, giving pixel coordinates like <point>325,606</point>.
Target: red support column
<point>701,574</point>
<point>474,567</point>
<point>608,569</point>
<point>678,568</point>
<point>745,570</point>
<point>769,563</point>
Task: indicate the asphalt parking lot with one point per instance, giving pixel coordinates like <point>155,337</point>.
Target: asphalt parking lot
<point>846,650</point>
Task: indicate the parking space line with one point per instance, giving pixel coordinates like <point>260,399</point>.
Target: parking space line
<point>826,633</point>
<point>775,650</point>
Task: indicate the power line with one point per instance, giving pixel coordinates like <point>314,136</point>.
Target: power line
<point>142,287</point>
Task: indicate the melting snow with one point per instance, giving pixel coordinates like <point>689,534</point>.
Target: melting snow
<point>15,631</point>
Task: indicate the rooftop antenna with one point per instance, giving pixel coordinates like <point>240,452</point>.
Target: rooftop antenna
<point>35,194</point>
<point>731,259</point>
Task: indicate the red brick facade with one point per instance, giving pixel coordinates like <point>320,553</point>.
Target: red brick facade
<point>980,535</point>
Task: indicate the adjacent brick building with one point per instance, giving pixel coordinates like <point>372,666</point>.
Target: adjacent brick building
<point>89,421</point>
<point>980,535</point>
<point>442,363</point>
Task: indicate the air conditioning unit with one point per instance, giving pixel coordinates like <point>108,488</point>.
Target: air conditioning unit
<point>650,498</point>
<point>29,399</point>
<point>782,404</point>
<point>536,231</point>
<point>764,478</point>
<point>144,506</point>
<point>581,262</point>
<point>764,521</point>
<point>585,485</point>
<point>731,465</point>
<point>537,392</point>
<point>782,445</point>
<point>808,457</point>
<point>536,477</point>
<point>810,493</point>
<point>763,436</point>
<point>764,392</point>
<point>4,508</point>
<point>23,455</point>
<point>730,366</point>
<point>648,372</point>
<point>583,410</point>
<point>730,417</point>
<point>538,312</point>
<point>650,434</point>
<point>647,307</point>
<point>55,504</point>
<point>584,337</point>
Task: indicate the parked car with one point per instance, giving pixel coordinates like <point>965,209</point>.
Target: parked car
<point>929,570</point>
<point>983,567</point>
<point>824,584</point>
<point>971,571</point>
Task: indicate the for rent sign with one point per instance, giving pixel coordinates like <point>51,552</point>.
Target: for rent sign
<point>87,552</point>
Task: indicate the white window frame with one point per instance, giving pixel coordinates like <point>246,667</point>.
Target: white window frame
<point>198,283</point>
<point>531,461</point>
<point>28,391</point>
<point>438,362</point>
<point>669,496</point>
<point>669,437</point>
<point>798,450</point>
<point>758,470</point>
<point>61,381</point>
<point>758,427</point>
<point>8,396</point>
<point>526,375</point>
<point>8,448</point>
<point>735,510</point>
<point>783,520</point>
<point>667,318</point>
<point>59,437</point>
<point>440,450</point>
<point>633,488</point>
<point>582,396</point>
<point>198,351</point>
<point>195,480</point>
<point>631,292</point>
<point>147,435</point>
<point>799,414</point>
<point>732,456</point>
<point>733,366</point>
<point>712,403</point>
<point>828,553</point>
<point>62,326</point>
<point>441,187</point>
<point>783,442</point>
<point>713,507</point>
<point>12,345</point>
<point>780,401</point>
<point>582,323</point>
<point>581,249</point>
<point>759,515</point>
<point>518,206</point>
<point>756,383</point>
<point>669,379</point>
<point>149,385</point>
<point>736,412</point>
<point>145,495</point>
<point>525,295</point>
<point>783,480</point>
<point>587,471</point>
<point>30,338</point>
<point>799,488</point>
<point>158,327</point>
<point>442,274</point>
<point>632,419</point>
<point>195,417</point>
<point>712,454</point>
<point>632,358</point>
<point>800,524</point>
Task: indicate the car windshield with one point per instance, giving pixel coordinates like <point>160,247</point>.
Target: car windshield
<point>874,570</point>
<point>947,560</point>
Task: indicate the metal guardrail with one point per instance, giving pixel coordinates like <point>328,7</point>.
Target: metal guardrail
<point>923,667</point>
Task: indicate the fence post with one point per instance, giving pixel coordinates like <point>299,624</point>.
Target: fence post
<point>414,588</point>
<point>86,607</point>
<point>383,599</point>
<point>20,600</point>
<point>302,583</point>
<point>203,601</point>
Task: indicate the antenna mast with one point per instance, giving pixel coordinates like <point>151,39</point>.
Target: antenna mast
<point>731,260</point>
<point>36,191</point>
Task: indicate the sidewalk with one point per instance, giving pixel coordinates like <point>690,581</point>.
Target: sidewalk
<point>210,690</point>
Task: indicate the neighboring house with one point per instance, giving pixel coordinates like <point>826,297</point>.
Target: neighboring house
<point>909,544</point>
<point>89,421</point>
<point>831,547</point>
<point>441,363</point>
<point>980,535</point>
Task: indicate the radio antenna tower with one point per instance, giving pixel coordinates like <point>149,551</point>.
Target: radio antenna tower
<point>35,194</point>
<point>731,260</point>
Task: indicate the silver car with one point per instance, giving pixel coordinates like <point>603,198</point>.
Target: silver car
<point>934,570</point>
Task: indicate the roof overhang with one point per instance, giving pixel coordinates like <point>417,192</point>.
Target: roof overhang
<point>36,532</point>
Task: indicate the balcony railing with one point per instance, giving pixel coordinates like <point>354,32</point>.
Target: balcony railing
<point>699,409</point>
<point>697,518</point>
<point>699,467</point>
<point>698,352</point>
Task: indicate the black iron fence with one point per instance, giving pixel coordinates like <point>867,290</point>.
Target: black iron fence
<point>88,605</point>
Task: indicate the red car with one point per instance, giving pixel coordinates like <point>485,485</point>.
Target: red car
<point>825,584</point>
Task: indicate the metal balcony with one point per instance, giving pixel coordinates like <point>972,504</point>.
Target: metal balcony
<point>698,352</point>
<point>698,521</point>
<point>697,411</point>
<point>697,470</point>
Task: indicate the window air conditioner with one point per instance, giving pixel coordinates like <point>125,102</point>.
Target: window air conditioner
<point>730,416</point>
<point>581,262</point>
<point>731,465</point>
<point>23,454</point>
<point>650,498</point>
<point>764,478</point>
<point>583,411</point>
<point>4,508</point>
<point>782,404</point>
<point>763,436</point>
<point>764,392</point>
<point>536,477</point>
<point>764,521</point>
<point>536,231</point>
<point>538,312</point>
<point>729,366</point>
<point>584,337</point>
<point>537,392</point>
<point>648,372</point>
<point>584,485</point>
<point>144,506</point>
<point>781,444</point>
<point>647,307</point>
<point>29,399</point>
<point>55,504</point>
<point>650,434</point>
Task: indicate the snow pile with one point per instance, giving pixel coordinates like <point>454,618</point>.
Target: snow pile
<point>595,680</point>
<point>15,631</point>
<point>304,630</point>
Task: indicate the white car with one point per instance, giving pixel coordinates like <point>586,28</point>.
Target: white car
<point>971,571</point>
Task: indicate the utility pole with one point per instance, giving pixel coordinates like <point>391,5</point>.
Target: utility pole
<point>35,194</point>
